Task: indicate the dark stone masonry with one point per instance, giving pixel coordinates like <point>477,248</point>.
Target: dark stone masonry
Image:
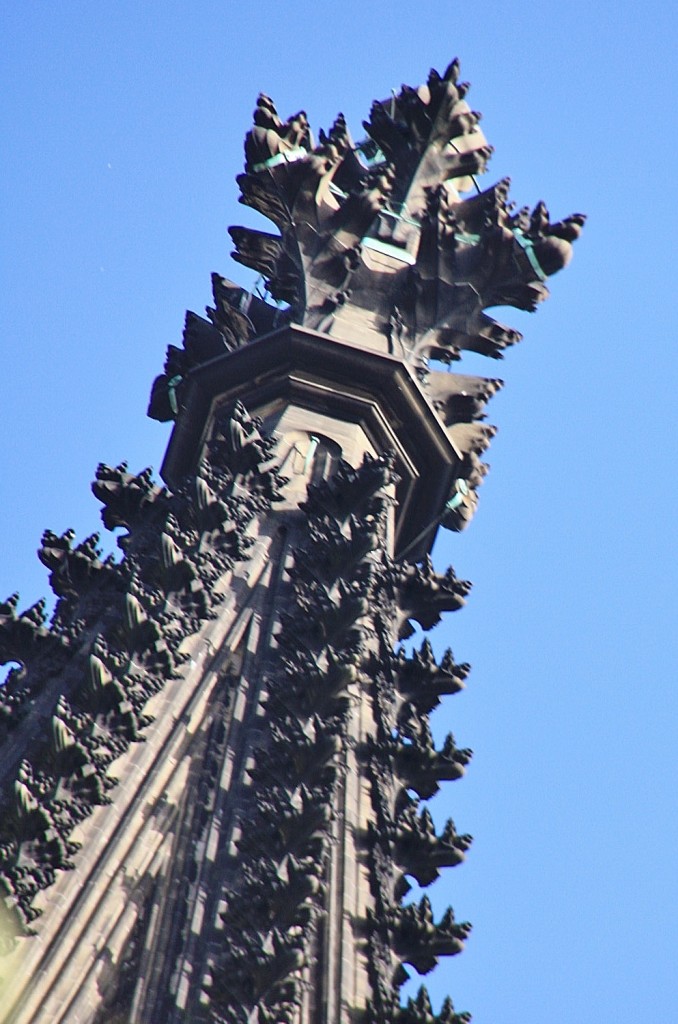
<point>215,758</point>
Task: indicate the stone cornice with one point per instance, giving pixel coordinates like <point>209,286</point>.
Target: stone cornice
<point>321,374</point>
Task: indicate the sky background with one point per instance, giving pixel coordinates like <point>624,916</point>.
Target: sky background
<point>122,129</point>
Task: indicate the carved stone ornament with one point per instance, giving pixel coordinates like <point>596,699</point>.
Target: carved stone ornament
<point>215,756</point>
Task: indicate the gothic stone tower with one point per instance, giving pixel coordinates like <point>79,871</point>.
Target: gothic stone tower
<point>215,758</point>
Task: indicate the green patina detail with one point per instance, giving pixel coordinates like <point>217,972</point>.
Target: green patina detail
<point>528,246</point>
<point>172,386</point>
<point>285,157</point>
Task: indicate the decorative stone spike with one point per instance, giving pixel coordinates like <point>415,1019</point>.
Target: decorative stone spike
<point>125,496</point>
<point>420,1011</point>
<point>419,941</point>
<point>420,852</point>
<point>420,766</point>
<point>425,594</point>
<point>423,681</point>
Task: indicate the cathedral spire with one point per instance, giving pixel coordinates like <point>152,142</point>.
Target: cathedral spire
<point>216,757</point>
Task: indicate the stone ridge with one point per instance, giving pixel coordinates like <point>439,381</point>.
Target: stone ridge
<point>75,702</point>
<point>273,926</point>
<point>349,604</point>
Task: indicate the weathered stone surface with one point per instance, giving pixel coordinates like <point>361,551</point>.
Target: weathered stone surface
<point>215,758</point>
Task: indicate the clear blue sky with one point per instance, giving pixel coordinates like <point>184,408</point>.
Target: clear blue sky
<point>122,129</point>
